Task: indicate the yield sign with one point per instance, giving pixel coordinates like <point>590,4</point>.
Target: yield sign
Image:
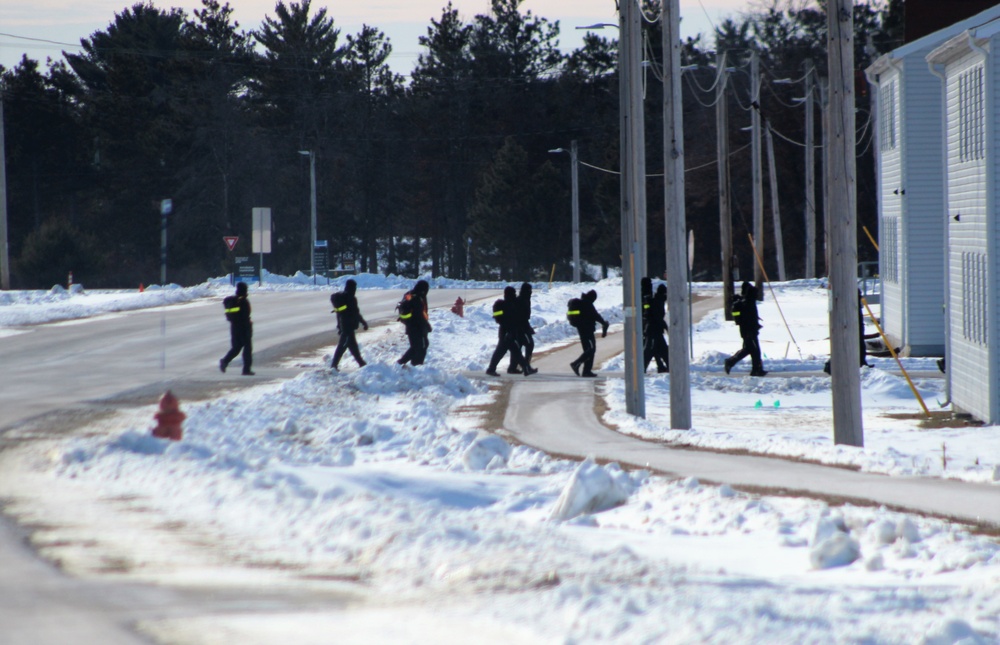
<point>231,241</point>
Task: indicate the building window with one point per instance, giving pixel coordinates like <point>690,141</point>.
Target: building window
<point>890,246</point>
<point>971,115</point>
<point>974,297</point>
<point>887,117</point>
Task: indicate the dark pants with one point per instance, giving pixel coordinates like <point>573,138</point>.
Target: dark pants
<point>508,343</point>
<point>751,347</point>
<point>240,339</point>
<point>348,342</point>
<point>655,346</point>
<point>589,343</point>
<point>527,345</point>
<point>417,351</point>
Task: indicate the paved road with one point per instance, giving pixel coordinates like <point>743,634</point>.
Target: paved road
<point>63,366</point>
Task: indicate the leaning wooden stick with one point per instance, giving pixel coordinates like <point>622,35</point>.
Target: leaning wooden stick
<point>773,295</point>
<point>892,352</point>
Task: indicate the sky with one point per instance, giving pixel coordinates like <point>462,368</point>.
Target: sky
<point>389,476</point>
<point>403,21</point>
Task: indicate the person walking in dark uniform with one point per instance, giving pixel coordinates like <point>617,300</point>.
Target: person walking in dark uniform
<point>524,332</point>
<point>345,305</point>
<point>414,316</point>
<point>240,330</point>
<point>863,349</point>
<point>654,328</point>
<point>746,317</point>
<point>506,313</point>
<point>586,317</point>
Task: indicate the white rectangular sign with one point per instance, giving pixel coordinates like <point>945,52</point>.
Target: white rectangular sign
<point>261,238</point>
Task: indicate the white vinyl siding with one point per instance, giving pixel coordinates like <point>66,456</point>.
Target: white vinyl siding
<point>891,147</point>
<point>924,210</point>
<point>968,228</point>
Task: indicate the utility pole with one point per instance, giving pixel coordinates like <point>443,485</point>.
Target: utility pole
<point>847,426</point>
<point>824,107</point>
<point>722,161</point>
<point>4,250</point>
<point>677,258</point>
<point>757,172</point>
<point>633,201</point>
<point>810,178</point>
<point>575,173</point>
<point>779,247</point>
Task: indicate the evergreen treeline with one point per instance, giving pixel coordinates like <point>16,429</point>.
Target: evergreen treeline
<point>449,169</point>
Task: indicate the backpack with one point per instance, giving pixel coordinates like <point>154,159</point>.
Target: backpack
<point>407,307</point>
<point>232,306</point>
<point>498,310</point>
<point>737,309</point>
<point>573,311</point>
<point>339,302</point>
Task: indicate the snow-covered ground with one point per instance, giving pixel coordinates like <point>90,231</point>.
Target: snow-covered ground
<point>389,476</point>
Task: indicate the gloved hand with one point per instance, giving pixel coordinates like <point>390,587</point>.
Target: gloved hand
<point>365,325</point>
<point>604,330</point>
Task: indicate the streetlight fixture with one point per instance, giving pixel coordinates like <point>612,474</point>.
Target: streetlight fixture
<point>312,210</point>
<point>574,162</point>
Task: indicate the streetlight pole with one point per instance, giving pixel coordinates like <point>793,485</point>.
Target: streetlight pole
<point>312,211</point>
<point>633,200</point>
<point>574,172</point>
<point>4,253</point>
<point>810,181</point>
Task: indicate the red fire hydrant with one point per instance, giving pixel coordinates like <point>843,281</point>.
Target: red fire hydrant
<point>459,307</point>
<point>169,418</point>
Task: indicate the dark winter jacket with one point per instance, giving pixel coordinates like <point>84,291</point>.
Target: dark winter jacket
<point>588,312</point>
<point>658,310</point>
<point>421,319</point>
<point>646,298</point>
<point>745,311</point>
<point>524,309</point>
<point>242,319</point>
<point>349,315</point>
<point>509,316</point>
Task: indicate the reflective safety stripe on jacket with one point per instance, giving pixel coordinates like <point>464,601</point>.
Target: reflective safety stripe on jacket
<point>573,312</point>
<point>340,308</point>
<point>405,316</point>
<point>233,310</point>
<point>498,313</point>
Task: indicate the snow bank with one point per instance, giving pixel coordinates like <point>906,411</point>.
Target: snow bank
<point>592,489</point>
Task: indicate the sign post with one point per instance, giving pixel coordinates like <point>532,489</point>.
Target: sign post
<point>321,260</point>
<point>166,207</point>
<point>230,242</point>
<point>261,238</point>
